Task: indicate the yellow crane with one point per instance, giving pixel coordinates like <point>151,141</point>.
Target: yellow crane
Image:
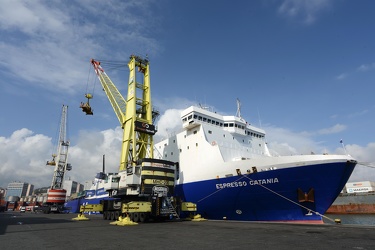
<point>134,113</point>
<point>144,186</point>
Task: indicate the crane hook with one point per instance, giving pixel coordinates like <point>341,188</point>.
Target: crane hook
<point>86,106</point>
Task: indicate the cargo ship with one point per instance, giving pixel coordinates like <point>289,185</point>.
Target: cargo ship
<point>228,171</point>
<point>226,168</point>
<point>356,198</point>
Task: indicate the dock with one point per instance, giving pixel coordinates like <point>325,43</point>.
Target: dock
<point>59,231</point>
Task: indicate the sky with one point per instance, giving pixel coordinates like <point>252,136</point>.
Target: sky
<point>304,72</point>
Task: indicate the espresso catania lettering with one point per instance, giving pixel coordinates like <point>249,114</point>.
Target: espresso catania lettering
<point>236,184</point>
<point>264,181</point>
<point>231,184</point>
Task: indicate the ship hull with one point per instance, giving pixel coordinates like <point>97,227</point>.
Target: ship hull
<point>270,195</point>
<point>73,206</point>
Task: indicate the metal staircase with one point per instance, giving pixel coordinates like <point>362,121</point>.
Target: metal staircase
<point>171,208</point>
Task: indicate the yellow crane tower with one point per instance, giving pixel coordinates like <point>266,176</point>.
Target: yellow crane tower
<point>135,113</point>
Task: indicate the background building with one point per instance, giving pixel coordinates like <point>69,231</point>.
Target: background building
<point>19,189</point>
<point>72,187</point>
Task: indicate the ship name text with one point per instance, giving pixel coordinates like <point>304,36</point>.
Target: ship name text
<point>235,184</point>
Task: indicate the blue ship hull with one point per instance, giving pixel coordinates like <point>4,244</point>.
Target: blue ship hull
<point>262,196</point>
<point>270,195</point>
<point>73,206</point>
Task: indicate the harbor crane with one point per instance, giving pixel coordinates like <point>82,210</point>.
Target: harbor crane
<point>56,194</point>
<point>144,186</point>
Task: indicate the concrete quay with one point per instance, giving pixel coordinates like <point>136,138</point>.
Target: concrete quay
<point>59,231</point>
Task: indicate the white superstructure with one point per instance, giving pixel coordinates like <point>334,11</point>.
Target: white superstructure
<point>215,146</point>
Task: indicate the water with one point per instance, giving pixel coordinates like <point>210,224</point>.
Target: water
<point>351,219</point>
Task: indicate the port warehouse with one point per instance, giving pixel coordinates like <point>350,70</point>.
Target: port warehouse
<point>356,196</point>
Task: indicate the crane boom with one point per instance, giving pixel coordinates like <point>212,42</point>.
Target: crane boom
<point>115,98</point>
<point>134,113</point>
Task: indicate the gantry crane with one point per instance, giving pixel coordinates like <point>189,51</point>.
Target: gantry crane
<point>141,180</point>
<point>56,194</point>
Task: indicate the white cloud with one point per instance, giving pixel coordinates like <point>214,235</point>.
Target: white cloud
<point>366,157</point>
<point>303,9</point>
<point>24,154</point>
<point>169,123</point>
<point>52,42</point>
<point>366,67</point>
<point>285,142</point>
<point>341,77</point>
<point>332,130</point>
<point>362,68</point>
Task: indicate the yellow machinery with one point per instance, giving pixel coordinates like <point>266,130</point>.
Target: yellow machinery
<point>144,186</point>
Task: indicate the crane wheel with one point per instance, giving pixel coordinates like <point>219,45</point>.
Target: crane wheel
<point>112,215</point>
<point>136,217</point>
<point>143,217</point>
<point>117,215</point>
<point>105,215</point>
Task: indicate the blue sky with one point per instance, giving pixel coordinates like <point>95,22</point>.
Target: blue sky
<point>303,70</point>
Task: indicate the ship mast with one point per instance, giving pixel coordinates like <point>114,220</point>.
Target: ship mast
<point>238,114</point>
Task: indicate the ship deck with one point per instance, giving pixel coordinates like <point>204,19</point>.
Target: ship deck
<point>59,231</point>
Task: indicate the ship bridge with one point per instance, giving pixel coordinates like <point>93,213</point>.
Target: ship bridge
<point>195,116</point>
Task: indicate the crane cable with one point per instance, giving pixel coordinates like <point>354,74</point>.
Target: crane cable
<point>88,81</point>
<point>109,65</point>
<point>367,164</point>
<point>244,176</point>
